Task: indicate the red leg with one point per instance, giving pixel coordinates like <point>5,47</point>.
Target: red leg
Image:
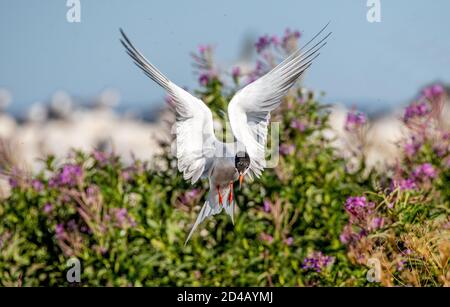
<point>230,196</point>
<point>220,196</point>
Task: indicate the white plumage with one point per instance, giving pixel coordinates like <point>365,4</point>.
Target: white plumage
<point>200,153</point>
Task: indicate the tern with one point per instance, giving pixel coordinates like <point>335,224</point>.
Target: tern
<point>200,154</point>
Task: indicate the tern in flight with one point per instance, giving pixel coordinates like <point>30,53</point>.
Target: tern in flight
<point>200,154</point>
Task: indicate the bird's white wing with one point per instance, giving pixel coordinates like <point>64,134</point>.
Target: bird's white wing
<point>249,109</point>
<point>194,123</point>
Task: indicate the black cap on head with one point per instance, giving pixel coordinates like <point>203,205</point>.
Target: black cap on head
<point>242,161</point>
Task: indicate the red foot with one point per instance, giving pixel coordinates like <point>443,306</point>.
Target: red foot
<point>230,196</point>
<point>220,196</point>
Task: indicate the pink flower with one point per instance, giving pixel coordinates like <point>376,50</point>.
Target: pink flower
<point>289,241</point>
<point>47,208</point>
<point>275,40</point>
<point>286,150</point>
<point>412,148</point>
<point>433,92</point>
<point>204,79</point>
<point>267,204</point>
<point>59,231</point>
<point>262,43</point>
<point>416,110</point>
<point>236,72</point>
<point>100,157</point>
<point>376,223</point>
<point>317,262</point>
<point>290,36</point>
<point>296,124</point>
<point>354,120</point>
<point>37,185</point>
<point>424,171</point>
<point>266,237</point>
<point>406,184</point>
<point>202,49</point>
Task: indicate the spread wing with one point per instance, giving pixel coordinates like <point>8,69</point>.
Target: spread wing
<point>249,109</point>
<point>194,123</point>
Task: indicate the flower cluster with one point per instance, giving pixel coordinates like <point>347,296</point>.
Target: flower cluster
<point>290,38</point>
<point>317,262</point>
<point>123,218</point>
<point>358,206</point>
<point>205,65</point>
<point>298,125</point>
<point>70,175</point>
<point>287,149</point>
<point>433,92</point>
<point>263,43</point>
<point>189,196</point>
<point>363,219</point>
<point>355,120</point>
<point>412,147</point>
<point>416,110</point>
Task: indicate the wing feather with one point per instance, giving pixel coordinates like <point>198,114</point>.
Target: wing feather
<point>194,123</point>
<point>249,109</point>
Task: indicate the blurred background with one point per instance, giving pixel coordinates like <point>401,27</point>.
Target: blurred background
<point>70,85</point>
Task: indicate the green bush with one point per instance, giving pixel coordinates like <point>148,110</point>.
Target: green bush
<point>293,227</point>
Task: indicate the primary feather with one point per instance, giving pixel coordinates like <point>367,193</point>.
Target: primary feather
<point>249,109</point>
<point>194,124</point>
<point>198,151</point>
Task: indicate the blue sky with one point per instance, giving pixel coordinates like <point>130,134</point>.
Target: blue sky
<point>371,65</point>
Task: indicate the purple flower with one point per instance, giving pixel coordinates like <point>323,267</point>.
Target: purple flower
<point>346,235</point>
<point>289,241</point>
<point>266,237</point>
<point>290,37</point>
<point>123,218</point>
<point>433,92</point>
<point>296,124</point>
<point>406,184</point>
<point>424,171</point>
<point>354,203</point>
<point>286,150</point>
<point>412,148</point>
<point>407,252</point>
<point>204,79</point>
<point>359,208</point>
<point>262,43</point>
<point>317,262</point>
<point>440,150</point>
<point>349,236</point>
<point>189,196</point>
<point>376,223</point>
<point>401,265</point>
<point>37,185</point>
<point>415,110</point>
<point>236,72</point>
<point>47,208</point>
<point>72,225</point>
<point>100,157</point>
<point>91,191</point>
<point>121,215</point>
<point>354,120</point>
<point>59,230</point>
<point>267,204</point>
<point>202,49</point>
<point>13,183</point>
<point>68,176</point>
<point>275,40</point>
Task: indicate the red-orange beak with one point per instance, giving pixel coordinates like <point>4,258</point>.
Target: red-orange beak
<point>241,180</point>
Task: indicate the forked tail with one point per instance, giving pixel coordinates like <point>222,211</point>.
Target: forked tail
<point>213,207</point>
